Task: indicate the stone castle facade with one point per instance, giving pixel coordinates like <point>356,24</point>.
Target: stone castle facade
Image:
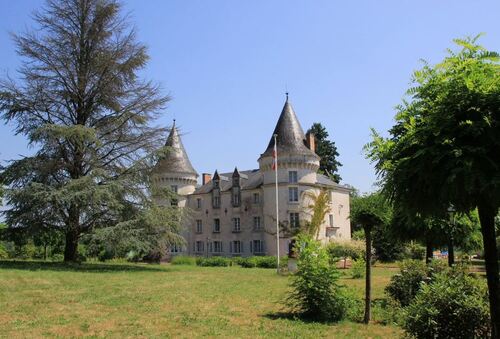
<point>234,214</point>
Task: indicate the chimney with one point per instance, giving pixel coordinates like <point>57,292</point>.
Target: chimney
<point>311,141</point>
<point>206,178</point>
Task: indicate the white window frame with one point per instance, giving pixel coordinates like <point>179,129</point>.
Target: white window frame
<point>257,223</point>
<point>236,224</point>
<point>293,194</point>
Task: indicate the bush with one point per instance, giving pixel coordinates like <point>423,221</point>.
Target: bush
<point>358,268</point>
<point>453,306</point>
<point>315,291</point>
<point>353,249</point>
<point>404,286</point>
<point>213,262</point>
<point>414,251</point>
<point>183,260</point>
<point>3,252</point>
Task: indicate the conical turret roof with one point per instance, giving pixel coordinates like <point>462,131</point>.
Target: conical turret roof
<point>290,136</point>
<point>176,160</point>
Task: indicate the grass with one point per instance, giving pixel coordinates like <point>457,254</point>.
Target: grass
<point>135,300</point>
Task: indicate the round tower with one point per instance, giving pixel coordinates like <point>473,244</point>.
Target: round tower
<point>297,166</point>
<point>174,170</point>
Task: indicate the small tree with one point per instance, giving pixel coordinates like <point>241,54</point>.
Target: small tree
<point>327,150</point>
<point>315,289</point>
<point>369,211</point>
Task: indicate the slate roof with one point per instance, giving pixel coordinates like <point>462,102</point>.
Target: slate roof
<point>291,138</point>
<point>248,179</point>
<point>176,160</point>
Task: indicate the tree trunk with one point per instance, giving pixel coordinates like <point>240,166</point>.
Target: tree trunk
<point>368,279</point>
<point>451,252</point>
<point>487,219</point>
<point>45,252</point>
<point>71,246</point>
<point>428,252</point>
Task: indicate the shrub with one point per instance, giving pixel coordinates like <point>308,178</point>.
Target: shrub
<point>3,252</point>
<point>213,261</point>
<point>453,306</point>
<point>353,249</point>
<point>414,251</point>
<point>404,286</point>
<point>183,260</point>
<point>315,292</point>
<point>358,268</point>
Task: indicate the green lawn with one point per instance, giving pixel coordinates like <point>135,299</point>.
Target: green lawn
<point>135,300</point>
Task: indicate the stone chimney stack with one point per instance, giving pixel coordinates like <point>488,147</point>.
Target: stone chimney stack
<point>311,141</point>
<point>206,178</point>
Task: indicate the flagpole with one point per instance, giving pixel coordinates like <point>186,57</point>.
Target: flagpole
<point>277,208</point>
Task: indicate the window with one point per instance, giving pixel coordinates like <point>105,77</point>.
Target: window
<point>199,226</point>
<point>175,249</point>
<point>331,220</point>
<point>236,196</point>
<point>174,202</point>
<point>256,223</point>
<point>294,220</point>
<point>217,247</point>
<point>216,201</point>
<point>216,225</point>
<point>257,246</point>
<point>256,198</point>
<point>173,188</point>
<point>236,225</point>
<point>235,246</point>
<point>292,177</point>
<point>293,194</point>
<point>198,203</point>
<point>200,246</point>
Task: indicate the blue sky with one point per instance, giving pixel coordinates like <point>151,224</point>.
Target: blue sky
<point>227,65</point>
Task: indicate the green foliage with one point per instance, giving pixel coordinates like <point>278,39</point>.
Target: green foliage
<point>318,207</point>
<point>387,247</point>
<point>260,261</point>
<point>358,235</point>
<point>404,286</point>
<point>315,291</point>
<point>3,252</point>
<point>96,139</point>
<point>454,305</point>
<point>354,249</point>
<point>414,250</point>
<point>370,210</point>
<point>213,261</point>
<point>327,151</point>
<point>183,260</point>
<point>358,268</point>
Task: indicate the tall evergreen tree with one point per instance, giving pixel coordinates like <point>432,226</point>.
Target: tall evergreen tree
<point>82,105</point>
<point>327,150</point>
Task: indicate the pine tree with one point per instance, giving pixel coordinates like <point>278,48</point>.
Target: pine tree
<point>327,150</point>
<point>81,104</point>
